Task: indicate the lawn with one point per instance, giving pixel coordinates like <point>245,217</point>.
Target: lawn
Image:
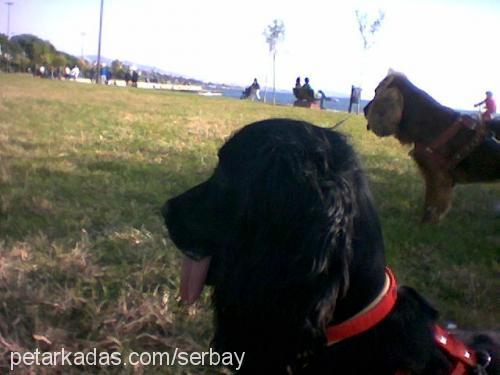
<point>85,260</point>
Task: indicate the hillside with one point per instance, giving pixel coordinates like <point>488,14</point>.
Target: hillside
<point>26,53</point>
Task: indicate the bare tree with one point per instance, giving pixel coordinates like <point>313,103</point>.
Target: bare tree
<point>367,29</point>
<point>274,33</point>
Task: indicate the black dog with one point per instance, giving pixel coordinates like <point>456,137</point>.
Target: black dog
<point>286,233</point>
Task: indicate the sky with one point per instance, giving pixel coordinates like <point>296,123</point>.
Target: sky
<point>449,48</point>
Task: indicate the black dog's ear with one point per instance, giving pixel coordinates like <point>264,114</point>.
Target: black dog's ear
<point>300,212</point>
<point>305,200</point>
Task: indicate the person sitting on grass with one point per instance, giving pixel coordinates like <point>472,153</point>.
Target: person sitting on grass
<point>304,92</point>
<point>296,89</point>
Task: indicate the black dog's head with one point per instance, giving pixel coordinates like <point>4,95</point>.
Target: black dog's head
<point>285,232</point>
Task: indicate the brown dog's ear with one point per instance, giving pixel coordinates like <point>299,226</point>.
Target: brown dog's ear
<point>386,110</point>
<point>394,72</point>
<point>384,83</point>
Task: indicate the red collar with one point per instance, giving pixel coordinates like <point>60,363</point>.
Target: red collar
<point>369,317</point>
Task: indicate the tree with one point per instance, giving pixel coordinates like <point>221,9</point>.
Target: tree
<point>367,27</point>
<point>37,50</point>
<point>367,30</point>
<point>117,69</point>
<point>59,61</point>
<point>274,33</point>
<point>47,58</point>
<point>21,62</point>
<point>12,55</point>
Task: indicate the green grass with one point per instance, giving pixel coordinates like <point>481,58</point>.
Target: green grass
<point>85,260</point>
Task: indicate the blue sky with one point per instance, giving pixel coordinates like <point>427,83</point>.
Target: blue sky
<point>450,48</point>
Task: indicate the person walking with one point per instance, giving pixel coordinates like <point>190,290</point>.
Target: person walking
<point>255,90</point>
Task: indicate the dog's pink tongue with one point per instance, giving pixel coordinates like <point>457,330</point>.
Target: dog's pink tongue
<point>193,275</point>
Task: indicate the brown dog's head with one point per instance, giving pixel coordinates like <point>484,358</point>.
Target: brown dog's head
<point>385,111</point>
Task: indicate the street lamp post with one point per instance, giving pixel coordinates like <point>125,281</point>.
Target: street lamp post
<point>9,4</point>
<point>98,80</point>
<point>83,42</point>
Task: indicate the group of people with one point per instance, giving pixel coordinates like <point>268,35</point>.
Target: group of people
<point>303,92</point>
<point>71,73</point>
<point>132,76</point>
<point>58,72</point>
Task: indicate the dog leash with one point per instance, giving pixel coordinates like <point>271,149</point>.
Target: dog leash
<point>463,359</point>
<point>338,123</point>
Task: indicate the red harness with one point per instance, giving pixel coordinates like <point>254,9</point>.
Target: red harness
<point>463,358</point>
<point>434,150</point>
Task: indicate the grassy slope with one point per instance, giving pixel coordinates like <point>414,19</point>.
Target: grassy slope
<point>84,259</point>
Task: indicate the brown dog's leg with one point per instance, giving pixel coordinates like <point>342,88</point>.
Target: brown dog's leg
<point>438,191</point>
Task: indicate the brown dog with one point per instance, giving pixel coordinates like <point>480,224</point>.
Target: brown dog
<point>449,147</point>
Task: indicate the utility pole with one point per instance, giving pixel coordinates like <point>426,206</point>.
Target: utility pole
<point>9,4</point>
<point>98,80</point>
<point>274,33</point>
<point>274,77</point>
<point>83,42</point>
